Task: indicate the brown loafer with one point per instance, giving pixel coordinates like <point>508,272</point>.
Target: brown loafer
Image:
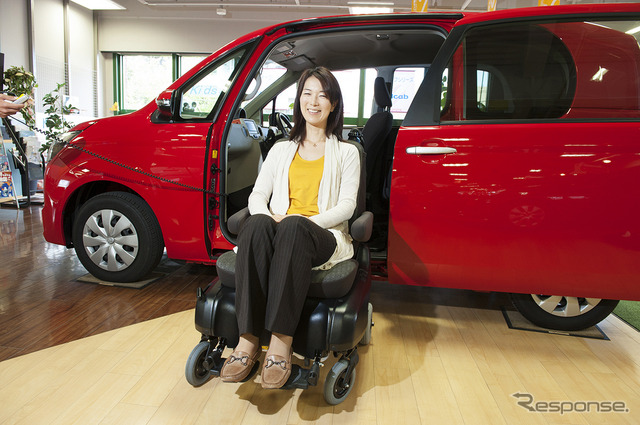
<point>276,371</point>
<point>238,366</point>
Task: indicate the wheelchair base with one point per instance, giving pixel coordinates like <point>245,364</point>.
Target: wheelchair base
<point>205,361</point>
<point>327,325</point>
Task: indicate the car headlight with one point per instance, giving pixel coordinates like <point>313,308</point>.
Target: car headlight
<point>60,142</point>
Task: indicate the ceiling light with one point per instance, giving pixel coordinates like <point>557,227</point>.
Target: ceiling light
<point>633,31</point>
<point>221,11</point>
<point>370,3</point>
<point>99,4</point>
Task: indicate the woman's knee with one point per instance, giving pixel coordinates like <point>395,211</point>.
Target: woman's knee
<point>258,220</point>
<point>294,230</point>
<point>257,224</point>
<point>292,224</point>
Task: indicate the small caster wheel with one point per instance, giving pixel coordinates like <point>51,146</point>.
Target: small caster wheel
<point>337,386</point>
<point>366,339</point>
<point>197,371</point>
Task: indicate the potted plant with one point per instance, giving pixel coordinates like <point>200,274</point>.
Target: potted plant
<point>19,81</point>
<point>55,110</point>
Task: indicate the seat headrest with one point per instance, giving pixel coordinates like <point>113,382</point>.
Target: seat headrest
<point>381,93</point>
<point>241,113</point>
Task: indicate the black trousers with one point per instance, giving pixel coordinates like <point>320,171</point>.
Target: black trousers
<point>273,271</point>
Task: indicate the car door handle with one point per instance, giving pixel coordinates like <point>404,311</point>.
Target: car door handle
<point>430,150</point>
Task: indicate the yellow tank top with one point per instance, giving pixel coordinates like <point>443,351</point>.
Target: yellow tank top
<point>304,183</point>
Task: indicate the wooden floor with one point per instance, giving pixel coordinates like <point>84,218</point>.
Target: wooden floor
<point>42,304</point>
<point>88,354</point>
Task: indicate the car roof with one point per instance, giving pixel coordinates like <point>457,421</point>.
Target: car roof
<point>383,18</point>
<point>359,48</point>
<point>362,41</point>
<point>549,11</point>
<point>461,17</point>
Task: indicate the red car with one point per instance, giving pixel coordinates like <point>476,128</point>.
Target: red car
<point>512,163</point>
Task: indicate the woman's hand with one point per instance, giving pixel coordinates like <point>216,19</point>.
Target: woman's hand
<point>7,107</point>
<point>279,217</point>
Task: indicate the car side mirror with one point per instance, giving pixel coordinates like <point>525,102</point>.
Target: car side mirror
<point>164,101</point>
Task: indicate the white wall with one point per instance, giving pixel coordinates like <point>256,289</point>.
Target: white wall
<point>82,60</point>
<point>48,43</point>
<point>13,33</point>
<point>143,28</point>
<point>166,35</point>
<point>139,28</point>
<point>49,46</point>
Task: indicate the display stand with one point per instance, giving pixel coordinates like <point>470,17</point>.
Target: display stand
<point>15,199</point>
<point>8,189</point>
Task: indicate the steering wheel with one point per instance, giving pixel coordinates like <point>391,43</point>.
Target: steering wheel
<point>283,123</point>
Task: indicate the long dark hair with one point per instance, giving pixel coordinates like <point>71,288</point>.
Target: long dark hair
<point>332,90</point>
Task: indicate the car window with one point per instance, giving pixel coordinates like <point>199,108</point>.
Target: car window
<point>272,76</point>
<point>356,57</point>
<point>357,91</point>
<point>203,93</point>
<point>406,81</point>
<point>544,71</point>
<point>349,82</point>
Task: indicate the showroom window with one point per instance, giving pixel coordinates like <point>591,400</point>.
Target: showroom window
<point>186,62</point>
<point>139,78</point>
<point>545,71</point>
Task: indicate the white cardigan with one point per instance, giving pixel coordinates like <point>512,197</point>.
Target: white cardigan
<point>336,195</point>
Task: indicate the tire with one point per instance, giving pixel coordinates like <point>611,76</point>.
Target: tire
<point>194,370</point>
<point>563,313</point>
<point>337,386</point>
<point>366,339</point>
<point>125,250</point>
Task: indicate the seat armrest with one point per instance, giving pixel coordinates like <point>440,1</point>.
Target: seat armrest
<point>234,223</point>
<point>362,226</point>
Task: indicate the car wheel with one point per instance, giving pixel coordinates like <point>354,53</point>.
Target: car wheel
<point>117,237</point>
<point>563,313</point>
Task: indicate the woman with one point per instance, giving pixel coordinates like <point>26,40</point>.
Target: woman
<point>302,199</point>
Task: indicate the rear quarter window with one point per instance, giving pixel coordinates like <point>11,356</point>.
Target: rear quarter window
<point>558,70</point>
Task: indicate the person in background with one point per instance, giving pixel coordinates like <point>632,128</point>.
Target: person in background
<point>300,205</point>
<point>7,107</point>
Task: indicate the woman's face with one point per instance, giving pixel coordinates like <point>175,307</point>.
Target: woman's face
<point>314,103</point>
